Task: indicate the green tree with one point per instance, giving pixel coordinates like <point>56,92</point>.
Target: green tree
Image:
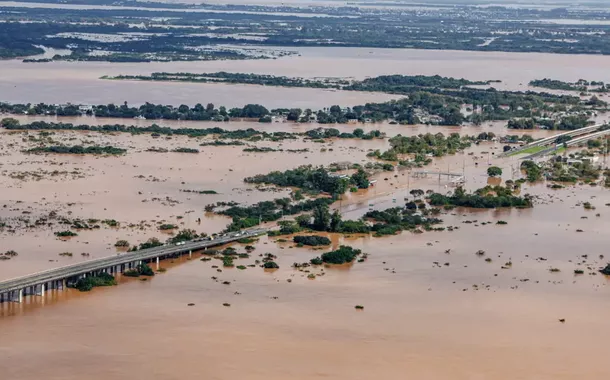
<point>335,221</point>
<point>416,193</point>
<point>321,218</point>
<point>9,122</point>
<point>294,114</point>
<point>494,171</point>
<point>361,179</point>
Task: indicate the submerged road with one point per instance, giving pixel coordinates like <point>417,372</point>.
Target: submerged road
<point>14,289</point>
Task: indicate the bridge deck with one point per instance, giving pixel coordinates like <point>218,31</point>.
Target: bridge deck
<point>73,270</point>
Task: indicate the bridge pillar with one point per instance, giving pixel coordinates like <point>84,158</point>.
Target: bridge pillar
<point>190,254</point>
<point>157,262</point>
<point>42,290</point>
<point>20,296</point>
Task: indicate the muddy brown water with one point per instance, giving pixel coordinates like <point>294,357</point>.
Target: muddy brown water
<point>422,319</point>
<point>470,319</point>
<point>78,82</point>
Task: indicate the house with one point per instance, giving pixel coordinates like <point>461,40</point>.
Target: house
<point>590,160</point>
<point>572,161</point>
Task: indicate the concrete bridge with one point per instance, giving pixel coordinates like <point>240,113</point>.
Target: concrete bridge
<point>58,278</point>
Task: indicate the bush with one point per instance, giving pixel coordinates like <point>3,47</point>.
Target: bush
<point>227,261</point>
<point>184,235</point>
<point>140,270</point>
<point>66,234</point>
<point>316,261</point>
<point>121,243</point>
<point>270,265</point>
<point>131,273</point>
<point>311,240</point>
<point>344,254</point>
<point>151,243</point>
<point>88,283</point>
<point>494,171</point>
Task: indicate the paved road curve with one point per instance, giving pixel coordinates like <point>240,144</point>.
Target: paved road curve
<point>74,270</point>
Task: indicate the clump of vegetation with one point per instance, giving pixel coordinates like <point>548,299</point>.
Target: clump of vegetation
<point>312,240</point>
<point>419,147</point>
<point>494,171</point>
<point>150,243</point>
<point>554,270</point>
<point>316,261</point>
<point>166,227</point>
<point>267,211</point>
<point>66,254</point>
<point>487,197</point>
<point>394,220</point>
<point>533,172</point>
<point>66,234</point>
<point>606,270</point>
<point>313,179</point>
<point>139,270</point>
<point>121,243</point>
<point>579,271</point>
<point>88,283</point>
<point>10,253</point>
<point>345,254</point>
<point>359,307</point>
<point>77,149</point>
<point>111,222</point>
<point>271,265</point>
<point>209,192</point>
<point>184,235</point>
<point>185,150</point>
<point>227,261</point>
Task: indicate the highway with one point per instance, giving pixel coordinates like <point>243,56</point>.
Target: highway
<point>569,143</point>
<point>551,140</point>
<point>108,263</point>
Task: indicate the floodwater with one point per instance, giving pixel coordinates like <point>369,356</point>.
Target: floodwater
<point>18,4</point>
<point>78,82</point>
<point>433,309</point>
<point>466,320</point>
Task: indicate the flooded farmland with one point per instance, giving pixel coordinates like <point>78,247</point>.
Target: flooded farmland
<point>432,307</point>
<point>80,83</point>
